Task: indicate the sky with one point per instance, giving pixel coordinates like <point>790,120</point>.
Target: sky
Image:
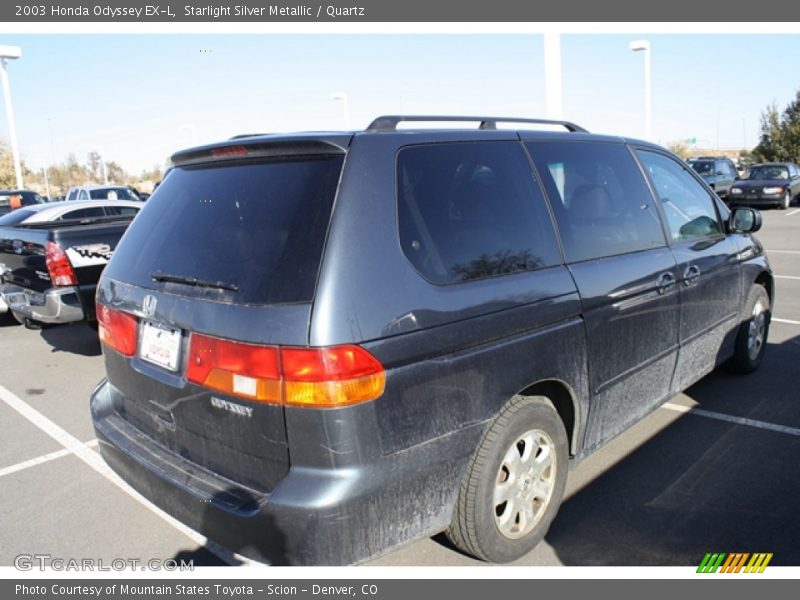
<point>141,97</point>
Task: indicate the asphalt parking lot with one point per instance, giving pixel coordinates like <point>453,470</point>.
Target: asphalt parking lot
<point>713,470</point>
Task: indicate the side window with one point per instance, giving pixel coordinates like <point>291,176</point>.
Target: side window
<point>121,211</point>
<point>601,201</point>
<point>472,210</point>
<point>689,209</point>
<point>83,213</point>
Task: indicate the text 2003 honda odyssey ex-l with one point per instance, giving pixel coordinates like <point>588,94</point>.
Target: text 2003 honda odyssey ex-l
<point>321,346</point>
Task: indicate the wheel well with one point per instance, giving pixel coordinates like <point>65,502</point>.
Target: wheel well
<point>765,279</point>
<point>563,400</point>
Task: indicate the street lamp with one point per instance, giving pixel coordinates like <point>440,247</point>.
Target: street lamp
<point>191,127</point>
<point>343,97</point>
<point>644,45</point>
<point>11,53</point>
<point>102,153</point>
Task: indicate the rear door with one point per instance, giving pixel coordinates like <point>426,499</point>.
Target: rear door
<point>228,249</point>
<point>617,253</point>
<point>708,266</point>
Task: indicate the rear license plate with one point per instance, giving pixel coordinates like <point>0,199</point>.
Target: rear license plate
<point>160,345</point>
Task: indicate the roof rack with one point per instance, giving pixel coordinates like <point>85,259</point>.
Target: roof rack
<point>390,122</point>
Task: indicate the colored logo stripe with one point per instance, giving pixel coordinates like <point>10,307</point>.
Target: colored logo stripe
<point>734,562</point>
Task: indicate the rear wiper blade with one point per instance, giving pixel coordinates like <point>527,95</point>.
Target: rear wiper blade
<point>195,281</point>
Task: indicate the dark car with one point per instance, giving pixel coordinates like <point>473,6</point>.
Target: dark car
<point>321,346</point>
<point>770,184</point>
<point>13,199</point>
<point>718,172</point>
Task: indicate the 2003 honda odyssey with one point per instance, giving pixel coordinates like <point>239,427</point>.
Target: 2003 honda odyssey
<point>320,346</point>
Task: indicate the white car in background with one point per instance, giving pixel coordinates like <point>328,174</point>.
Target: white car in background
<point>101,192</point>
<point>79,210</point>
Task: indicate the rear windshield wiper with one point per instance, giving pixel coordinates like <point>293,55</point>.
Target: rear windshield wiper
<point>219,285</point>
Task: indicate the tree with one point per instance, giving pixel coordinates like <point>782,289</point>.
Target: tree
<point>780,133</point>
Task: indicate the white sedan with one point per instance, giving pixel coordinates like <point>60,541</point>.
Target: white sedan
<point>79,210</point>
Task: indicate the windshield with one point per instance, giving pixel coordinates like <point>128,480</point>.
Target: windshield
<point>769,172</point>
<point>251,230</point>
<point>115,193</point>
<point>703,167</point>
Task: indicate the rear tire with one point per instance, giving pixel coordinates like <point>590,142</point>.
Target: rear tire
<point>751,340</point>
<point>514,483</point>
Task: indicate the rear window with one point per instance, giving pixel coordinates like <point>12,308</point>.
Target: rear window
<point>15,217</point>
<point>112,194</point>
<point>256,229</point>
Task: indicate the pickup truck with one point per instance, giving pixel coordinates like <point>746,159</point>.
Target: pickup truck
<point>49,271</point>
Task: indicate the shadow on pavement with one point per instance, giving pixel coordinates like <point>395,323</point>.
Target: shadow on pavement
<point>77,338</point>
<point>699,485</point>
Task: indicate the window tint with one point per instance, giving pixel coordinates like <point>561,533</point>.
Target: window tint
<point>258,228</point>
<point>601,201</point>
<point>113,193</point>
<point>83,213</point>
<point>472,210</point>
<point>121,211</point>
<point>688,207</point>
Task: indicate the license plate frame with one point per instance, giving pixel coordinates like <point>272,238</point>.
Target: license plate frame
<point>160,345</point>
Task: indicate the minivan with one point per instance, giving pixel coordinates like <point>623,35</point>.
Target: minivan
<point>320,346</point>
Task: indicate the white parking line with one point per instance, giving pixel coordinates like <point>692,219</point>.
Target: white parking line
<point>785,277</point>
<point>731,419</point>
<point>787,321</point>
<point>43,459</point>
<point>794,212</point>
<point>93,460</point>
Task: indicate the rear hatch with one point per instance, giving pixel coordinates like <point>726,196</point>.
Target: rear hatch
<point>223,260</point>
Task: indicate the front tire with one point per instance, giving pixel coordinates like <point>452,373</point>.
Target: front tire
<point>751,340</point>
<point>786,202</point>
<point>514,483</point>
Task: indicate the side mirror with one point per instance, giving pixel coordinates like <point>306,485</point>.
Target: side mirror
<point>744,220</point>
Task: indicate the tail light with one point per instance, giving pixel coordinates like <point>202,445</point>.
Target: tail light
<point>319,377</point>
<point>117,330</point>
<point>58,265</point>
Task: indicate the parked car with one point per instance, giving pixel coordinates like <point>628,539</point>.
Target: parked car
<point>321,346</point>
<point>101,192</point>
<point>80,210</point>
<point>719,172</point>
<point>51,257</point>
<point>14,199</point>
<point>771,184</point>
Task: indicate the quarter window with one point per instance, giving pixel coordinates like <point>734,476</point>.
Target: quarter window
<point>599,197</point>
<point>688,207</point>
<point>472,210</point>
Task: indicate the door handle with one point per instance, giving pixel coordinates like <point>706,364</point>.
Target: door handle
<point>691,274</point>
<point>664,282</point>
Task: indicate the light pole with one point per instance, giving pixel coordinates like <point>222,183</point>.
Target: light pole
<point>552,76</point>
<point>343,97</point>
<point>644,46</point>
<point>11,53</point>
<point>102,153</point>
<point>191,127</point>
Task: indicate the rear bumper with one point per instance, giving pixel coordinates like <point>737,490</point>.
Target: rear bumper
<point>56,305</point>
<point>314,515</point>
